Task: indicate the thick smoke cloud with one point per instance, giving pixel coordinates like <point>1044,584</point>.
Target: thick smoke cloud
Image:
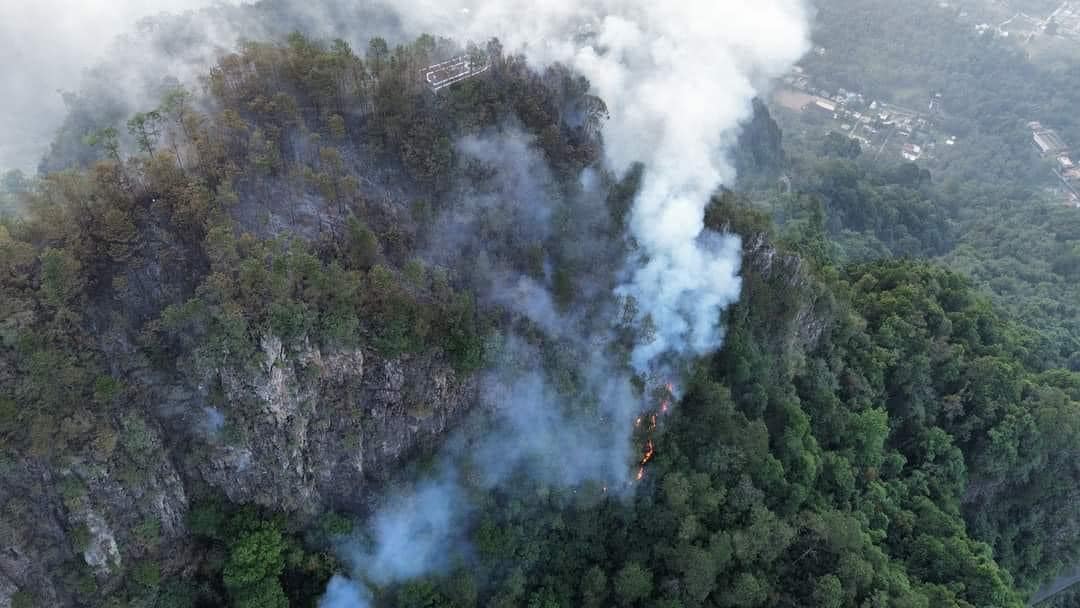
<point>48,44</point>
<point>678,78</point>
<point>103,60</point>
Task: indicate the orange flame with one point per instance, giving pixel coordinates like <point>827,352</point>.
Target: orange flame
<point>649,451</point>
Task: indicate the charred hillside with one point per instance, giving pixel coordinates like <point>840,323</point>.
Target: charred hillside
<point>247,294</point>
<point>237,321</point>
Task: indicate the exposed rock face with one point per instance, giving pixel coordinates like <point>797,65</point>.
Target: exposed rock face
<point>316,427</point>
<point>32,534</point>
<point>100,514</point>
<point>302,430</point>
<point>807,312</point>
<point>100,553</point>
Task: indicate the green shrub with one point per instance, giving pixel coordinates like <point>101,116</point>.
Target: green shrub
<point>148,532</point>
<point>80,538</point>
<point>146,574</point>
<point>22,599</point>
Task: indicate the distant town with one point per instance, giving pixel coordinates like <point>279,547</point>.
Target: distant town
<point>1051,146</point>
<point>1063,22</point>
<point>887,130</point>
<point>881,127</point>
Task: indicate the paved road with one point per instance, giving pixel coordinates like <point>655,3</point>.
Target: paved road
<point>1061,583</point>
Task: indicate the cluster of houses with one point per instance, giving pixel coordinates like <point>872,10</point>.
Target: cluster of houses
<point>869,123</point>
<point>1063,22</point>
<point>1051,145</point>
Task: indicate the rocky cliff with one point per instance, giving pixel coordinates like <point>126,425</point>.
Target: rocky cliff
<point>308,430</point>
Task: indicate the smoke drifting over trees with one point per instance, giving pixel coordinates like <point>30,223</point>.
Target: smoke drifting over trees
<point>73,64</point>
<point>678,79</point>
<point>48,45</point>
<point>275,276</point>
<point>676,91</point>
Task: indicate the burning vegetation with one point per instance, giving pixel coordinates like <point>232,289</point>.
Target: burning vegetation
<point>649,449</point>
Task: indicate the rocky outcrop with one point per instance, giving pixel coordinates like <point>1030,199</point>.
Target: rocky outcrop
<point>301,430</point>
<point>806,307</point>
<point>311,429</point>
<point>90,517</point>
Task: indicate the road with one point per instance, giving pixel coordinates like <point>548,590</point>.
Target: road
<point>1055,587</point>
<point>878,153</point>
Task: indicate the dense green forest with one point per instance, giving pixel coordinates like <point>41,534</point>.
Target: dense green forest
<point>983,207</point>
<point>874,432</point>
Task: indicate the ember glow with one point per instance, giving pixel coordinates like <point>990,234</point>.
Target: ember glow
<point>666,397</point>
<point>649,449</point>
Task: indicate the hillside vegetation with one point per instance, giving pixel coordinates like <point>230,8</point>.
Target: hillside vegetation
<point>235,317</point>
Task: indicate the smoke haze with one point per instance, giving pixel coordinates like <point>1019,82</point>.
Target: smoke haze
<point>678,78</point>
<point>118,56</point>
<point>48,44</point>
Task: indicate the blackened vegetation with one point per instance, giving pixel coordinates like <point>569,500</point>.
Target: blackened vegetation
<point>293,200</point>
<point>871,435</point>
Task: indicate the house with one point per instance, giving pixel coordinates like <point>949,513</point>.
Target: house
<point>1049,142</point>
<point>821,106</point>
<point>911,152</point>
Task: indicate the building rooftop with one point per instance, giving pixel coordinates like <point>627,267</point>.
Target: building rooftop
<point>1049,141</point>
<point>448,72</point>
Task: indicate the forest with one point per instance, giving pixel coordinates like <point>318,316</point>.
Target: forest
<point>985,209</point>
<point>877,430</point>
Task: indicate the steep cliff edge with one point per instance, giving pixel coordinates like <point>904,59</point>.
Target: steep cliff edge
<point>308,432</point>
<point>281,299</point>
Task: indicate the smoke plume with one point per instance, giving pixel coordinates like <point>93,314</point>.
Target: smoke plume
<point>48,45</point>
<point>678,78</point>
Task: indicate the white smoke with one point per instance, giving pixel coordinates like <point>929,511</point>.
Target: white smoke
<point>343,593</point>
<point>412,534</point>
<point>47,46</point>
<point>678,78</point>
